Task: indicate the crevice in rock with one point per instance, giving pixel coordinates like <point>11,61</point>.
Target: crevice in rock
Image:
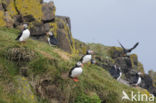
<point>48,21</point>
<point>4,7</point>
<point>20,16</point>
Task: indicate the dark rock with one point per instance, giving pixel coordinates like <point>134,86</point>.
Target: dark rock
<point>48,11</point>
<point>63,43</point>
<point>17,20</point>
<point>39,29</point>
<point>1,8</point>
<point>147,83</point>
<point>29,18</point>
<point>60,25</point>
<point>24,71</point>
<point>124,63</point>
<point>66,20</point>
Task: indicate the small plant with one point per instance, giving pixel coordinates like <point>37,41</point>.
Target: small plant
<point>83,98</point>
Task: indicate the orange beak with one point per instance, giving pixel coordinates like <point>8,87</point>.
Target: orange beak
<point>82,65</point>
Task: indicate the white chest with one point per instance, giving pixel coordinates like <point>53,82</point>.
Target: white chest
<point>76,72</point>
<point>87,58</point>
<point>139,81</point>
<point>25,35</point>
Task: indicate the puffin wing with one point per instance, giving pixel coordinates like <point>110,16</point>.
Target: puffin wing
<point>19,36</point>
<point>82,58</point>
<point>122,46</point>
<point>134,46</point>
<point>70,73</point>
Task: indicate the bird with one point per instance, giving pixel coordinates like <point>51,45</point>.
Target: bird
<point>93,61</point>
<point>76,71</point>
<point>120,73</point>
<point>137,81</point>
<point>51,39</point>
<point>24,35</point>
<point>116,72</point>
<point>125,51</point>
<point>87,58</point>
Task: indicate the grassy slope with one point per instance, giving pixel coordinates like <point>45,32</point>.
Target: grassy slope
<point>53,64</point>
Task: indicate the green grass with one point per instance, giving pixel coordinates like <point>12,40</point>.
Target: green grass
<point>95,83</point>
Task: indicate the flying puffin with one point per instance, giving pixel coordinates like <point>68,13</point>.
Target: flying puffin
<point>138,82</point>
<point>24,35</point>
<point>87,58</point>
<point>126,51</point>
<point>116,72</point>
<point>51,39</point>
<point>76,71</point>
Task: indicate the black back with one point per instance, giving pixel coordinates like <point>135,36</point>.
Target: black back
<point>115,72</point>
<point>19,36</point>
<point>53,40</point>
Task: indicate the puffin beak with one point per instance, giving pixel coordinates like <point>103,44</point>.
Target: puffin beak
<point>92,52</point>
<point>82,65</point>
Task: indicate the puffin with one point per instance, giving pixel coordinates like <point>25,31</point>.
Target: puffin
<point>120,73</point>
<point>51,39</point>
<point>76,71</point>
<point>138,75</point>
<point>93,61</point>
<point>87,58</point>
<point>116,72</point>
<point>126,51</point>
<point>24,35</point>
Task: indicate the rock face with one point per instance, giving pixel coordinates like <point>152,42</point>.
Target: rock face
<point>130,65</point>
<point>47,9</point>
<point>41,19</point>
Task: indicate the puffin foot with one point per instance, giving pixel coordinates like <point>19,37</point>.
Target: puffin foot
<point>75,79</point>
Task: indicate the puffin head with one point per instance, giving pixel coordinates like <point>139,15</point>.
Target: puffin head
<point>139,73</point>
<point>25,26</point>
<point>49,33</point>
<point>90,52</point>
<point>79,64</point>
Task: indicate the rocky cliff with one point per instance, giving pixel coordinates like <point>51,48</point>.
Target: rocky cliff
<point>38,73</point>
<point>41,19</point>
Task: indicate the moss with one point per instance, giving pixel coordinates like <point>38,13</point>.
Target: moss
<point>24,90</point>
<point>115,52</point>
<point>2,22</point>
<point>134,60</point>
<point>140,67</point>
<point>83,98</point>
<point>11,9</point>
<point>30,7</point>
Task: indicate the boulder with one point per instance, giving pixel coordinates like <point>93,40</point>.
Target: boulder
<point>63,41</point>
<point>48,10</point>
<point>147,83</point>
<point>124,63</point>
<point>39,29</point>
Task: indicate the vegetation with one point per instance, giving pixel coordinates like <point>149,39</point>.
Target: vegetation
<point>43,78</point>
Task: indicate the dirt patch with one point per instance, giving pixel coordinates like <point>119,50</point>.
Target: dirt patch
<point>62,54</point>
<point>45,54</point>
